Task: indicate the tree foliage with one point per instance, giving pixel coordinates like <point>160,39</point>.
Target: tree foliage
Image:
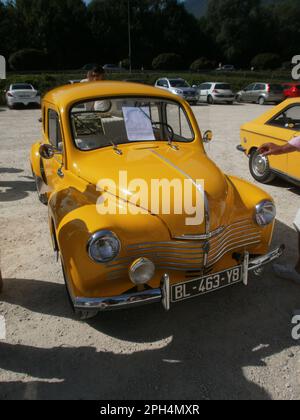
<point>72,33</point>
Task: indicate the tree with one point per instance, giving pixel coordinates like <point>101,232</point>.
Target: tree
<point>167,61</point>
<point>266,61</point>
<point>241,28</point>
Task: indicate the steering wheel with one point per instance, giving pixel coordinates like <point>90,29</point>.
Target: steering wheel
<point>168,127</point>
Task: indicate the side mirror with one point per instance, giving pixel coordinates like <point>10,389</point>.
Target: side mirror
<point>47,151</point>
<point>194,86</point>
<point>208,136</point>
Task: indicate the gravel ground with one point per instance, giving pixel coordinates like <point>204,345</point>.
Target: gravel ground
<point>234,344</point>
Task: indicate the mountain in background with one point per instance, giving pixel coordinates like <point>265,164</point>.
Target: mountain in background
<point>199,7</point>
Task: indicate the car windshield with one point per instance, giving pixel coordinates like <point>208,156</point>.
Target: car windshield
<point>223,86</point>
<point>21,87</point>
<point>107,122</point>
<point>179,84</point>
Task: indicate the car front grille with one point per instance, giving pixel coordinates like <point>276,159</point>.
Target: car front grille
<point>189,256</point>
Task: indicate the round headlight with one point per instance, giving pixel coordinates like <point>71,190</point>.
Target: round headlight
<point>104,246</point>
<point>141,271</point>
<point>265,213</point>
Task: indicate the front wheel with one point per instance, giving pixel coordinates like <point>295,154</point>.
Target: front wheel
<point>260,168</point>
<point>80,314</point>
<point>39,183</point>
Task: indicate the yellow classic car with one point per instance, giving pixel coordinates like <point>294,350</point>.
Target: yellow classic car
<point>279,126</point>
<point>105,143</point>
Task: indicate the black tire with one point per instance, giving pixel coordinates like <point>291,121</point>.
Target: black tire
<point>260,168</point>
<point>79,314</point>
<point>43,198</point>
<point>239,99</point>
<point>210,100</point>
<point>261,100</point>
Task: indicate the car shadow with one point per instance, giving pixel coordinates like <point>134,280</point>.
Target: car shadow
<point>15,190</point>
<point>200,348</point>
<point>10,171</point>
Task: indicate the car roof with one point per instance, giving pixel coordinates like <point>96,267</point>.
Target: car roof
<point>69,94</point>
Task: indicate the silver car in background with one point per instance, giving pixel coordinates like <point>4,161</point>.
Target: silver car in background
<point>22,94</point>
<point>261,93</point>
<point>179,87</point>
<point>215,92</point>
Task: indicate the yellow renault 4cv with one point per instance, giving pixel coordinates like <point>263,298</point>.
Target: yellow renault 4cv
<point>111,166</point>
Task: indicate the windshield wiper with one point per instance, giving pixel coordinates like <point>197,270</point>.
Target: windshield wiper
<point>116,149</point>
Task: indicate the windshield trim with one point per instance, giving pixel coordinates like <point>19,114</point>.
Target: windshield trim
<point>129,143</point>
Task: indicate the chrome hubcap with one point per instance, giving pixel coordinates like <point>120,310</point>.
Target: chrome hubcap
<point>260,165</point>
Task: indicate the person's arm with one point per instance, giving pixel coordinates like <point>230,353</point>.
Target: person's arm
<point>269,149</point>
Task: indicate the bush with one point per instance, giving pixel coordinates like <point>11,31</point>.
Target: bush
<point>28,59</point>
<point>202,64</point>
<point>167,61</point>
<point>267,61</point>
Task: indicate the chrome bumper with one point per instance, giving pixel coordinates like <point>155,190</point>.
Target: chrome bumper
<point>163,293</point>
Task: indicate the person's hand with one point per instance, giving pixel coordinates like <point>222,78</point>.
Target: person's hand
<point>269,149</point>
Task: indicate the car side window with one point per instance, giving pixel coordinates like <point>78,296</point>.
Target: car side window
<point>160,83</point>
<point>165,84</point>
<point>289,119</point>
<point>259,87</point>
<point>54,130</point>
<point>249,88</point>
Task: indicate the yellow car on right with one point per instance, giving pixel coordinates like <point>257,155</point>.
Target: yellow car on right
<point>279,125</point>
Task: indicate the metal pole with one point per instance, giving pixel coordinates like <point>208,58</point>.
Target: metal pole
<point>129,37</point>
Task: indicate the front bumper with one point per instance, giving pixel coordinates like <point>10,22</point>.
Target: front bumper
<point>163,293</point>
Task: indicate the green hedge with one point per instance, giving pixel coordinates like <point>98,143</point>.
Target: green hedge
<point>47,81</point>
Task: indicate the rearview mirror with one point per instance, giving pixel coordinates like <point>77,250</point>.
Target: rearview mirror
<point>47,151</point>
<point>208,136</point>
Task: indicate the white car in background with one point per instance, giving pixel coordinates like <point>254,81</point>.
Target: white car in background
<point>22,94</point>
<point>215,92</point>
<point>179,87</point>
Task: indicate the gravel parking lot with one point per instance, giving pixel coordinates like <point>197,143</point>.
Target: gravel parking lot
<point>234,344</point>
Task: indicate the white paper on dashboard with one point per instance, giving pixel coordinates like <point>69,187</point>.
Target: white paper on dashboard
<point>138,124</point>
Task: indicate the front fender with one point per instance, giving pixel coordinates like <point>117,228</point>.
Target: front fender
<point>35,160</point>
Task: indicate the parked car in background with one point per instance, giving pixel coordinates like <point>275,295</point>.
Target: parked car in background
<point>226,68</point>
<point>291,90</point>
<point>215,92</point>
<point>22,94</point>
<point>128,252</point>
<point>261,93</point>
<point>278,126</point>
<point>113,68</point>
<point>179,87</point>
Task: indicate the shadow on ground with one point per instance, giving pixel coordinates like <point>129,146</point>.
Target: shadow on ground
<point>15,190</point>
<point>208,343</point>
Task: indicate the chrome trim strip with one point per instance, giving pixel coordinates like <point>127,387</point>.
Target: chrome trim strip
<point>231,240</point>
<point>226,250</point>
<point>201,237</point>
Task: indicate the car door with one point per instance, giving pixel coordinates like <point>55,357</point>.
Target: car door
<point>282,128</point>
<point>53,168</point>
<point>257,91</point>
<point>247,92</point>
<point>203,92</point>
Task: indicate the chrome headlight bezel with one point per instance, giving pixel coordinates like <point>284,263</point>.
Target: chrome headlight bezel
<point>137,265</point>
<point>265,213</point>
<point>102,235</point>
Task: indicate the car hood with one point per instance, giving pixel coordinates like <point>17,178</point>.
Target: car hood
<point>185,89</point>
<point>148,163</point>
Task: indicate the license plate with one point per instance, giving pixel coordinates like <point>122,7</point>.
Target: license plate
<point>207,284</point>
